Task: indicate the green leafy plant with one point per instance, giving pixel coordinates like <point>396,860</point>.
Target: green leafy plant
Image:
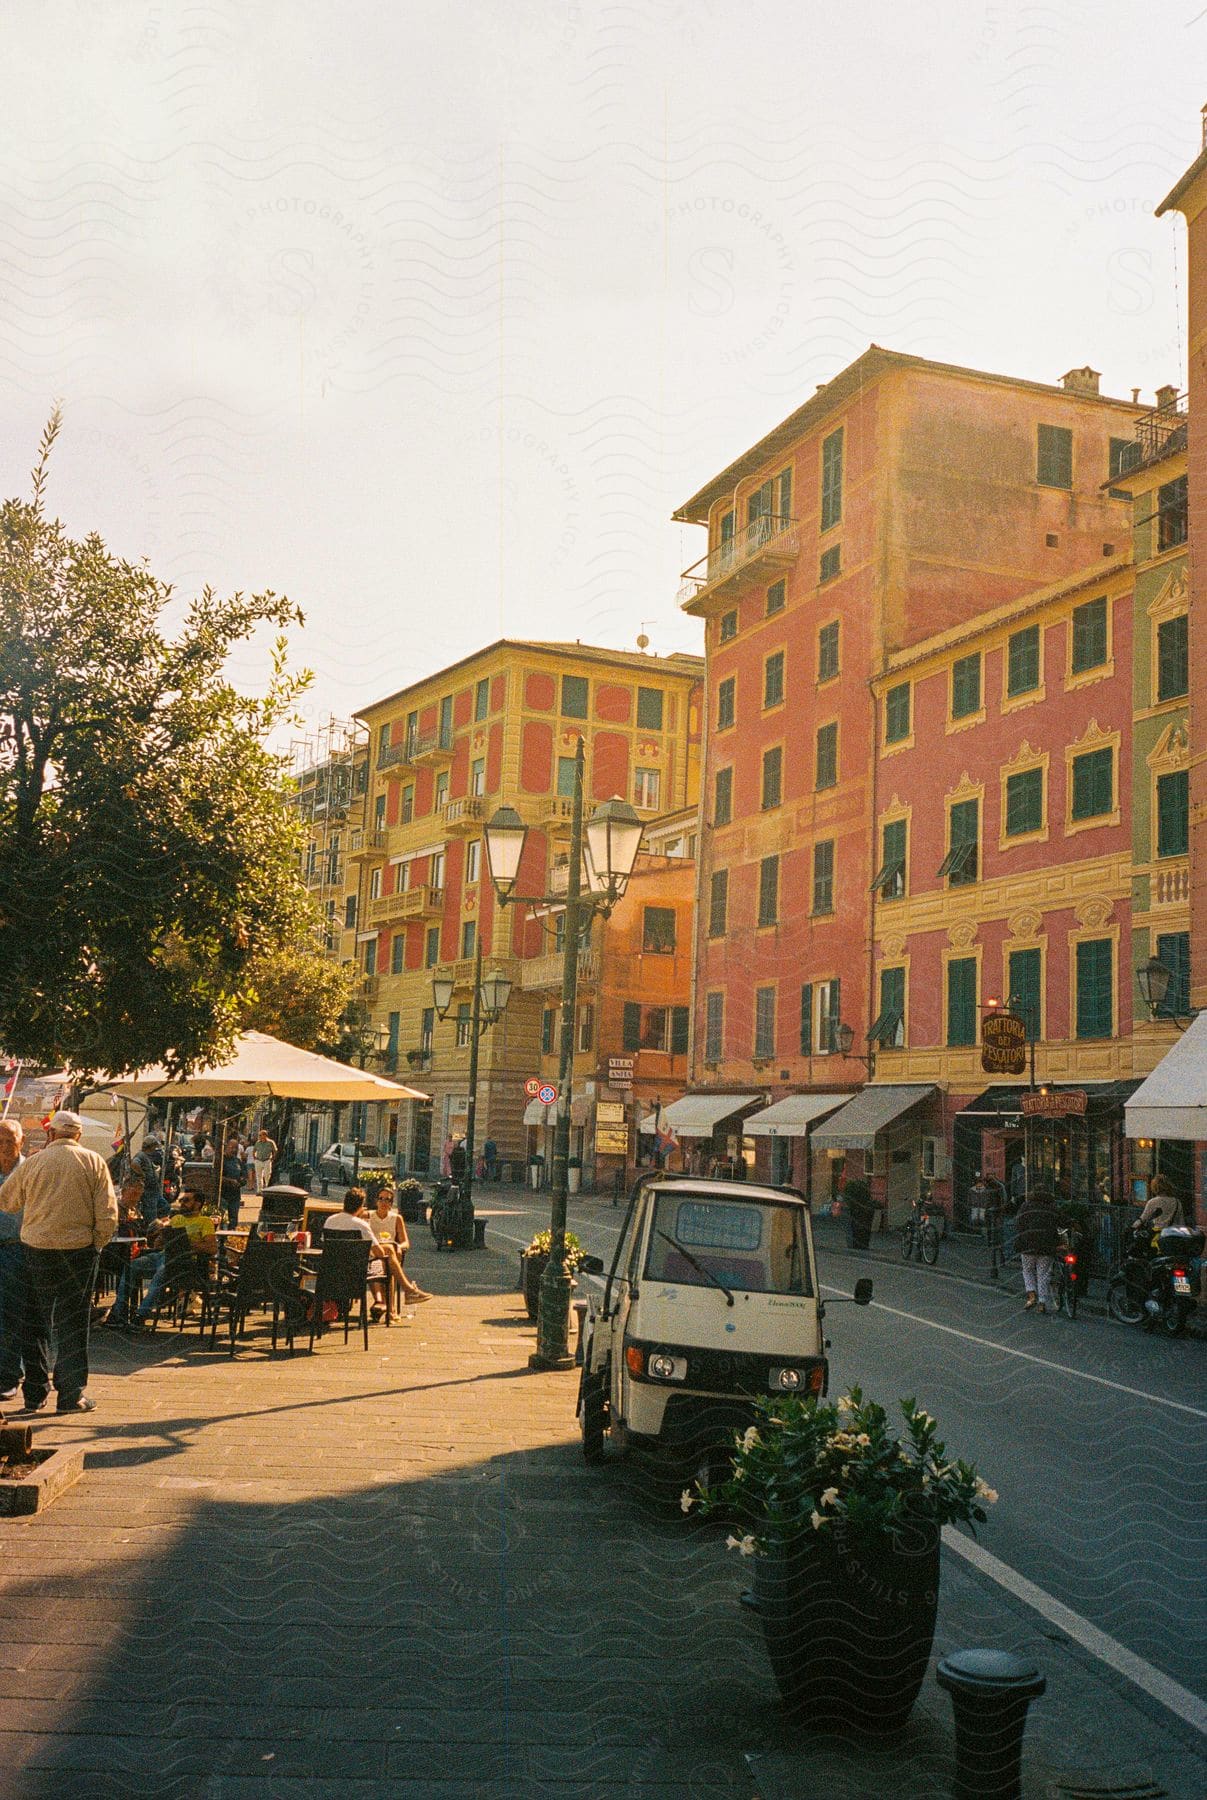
<point>841,1469</point>
<point>542,1244</point>
<point>410,1189</point>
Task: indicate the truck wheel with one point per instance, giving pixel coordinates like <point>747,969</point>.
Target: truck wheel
<point>592,1414</point>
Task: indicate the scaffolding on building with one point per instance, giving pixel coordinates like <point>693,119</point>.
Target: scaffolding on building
<point>329,773</point>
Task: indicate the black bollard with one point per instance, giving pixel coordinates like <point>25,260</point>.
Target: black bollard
<point>580,1314</point>
<point>990,1693</point>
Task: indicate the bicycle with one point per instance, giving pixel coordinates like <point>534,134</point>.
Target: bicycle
<point>919,1237</point>
<point>1066,1279</point>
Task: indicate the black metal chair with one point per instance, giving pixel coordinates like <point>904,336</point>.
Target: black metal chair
<point>185,1274</point>
<point>342,1280</point>
<point>267,1276</point>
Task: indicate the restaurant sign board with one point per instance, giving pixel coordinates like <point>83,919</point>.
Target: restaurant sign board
<point>1056,1106</point>
<point>1003,1044</point>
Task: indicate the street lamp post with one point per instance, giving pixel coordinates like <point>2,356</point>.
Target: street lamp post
<point>846,1042</point>
<point>603,855</point>
<point>490,1001</point>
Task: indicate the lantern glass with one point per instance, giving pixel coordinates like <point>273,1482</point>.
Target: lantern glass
<point>442,993</point>
<point>846,1037</point>
<point>495,992</point>
<point>505,837</point>
<point>1154,978</point>
<point>613,838</point>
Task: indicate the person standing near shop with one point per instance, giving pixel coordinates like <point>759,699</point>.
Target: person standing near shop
<point>12,1267</point>
<point>262,1160</point>
<point>69,1210</point>
<point>1038,1239</point>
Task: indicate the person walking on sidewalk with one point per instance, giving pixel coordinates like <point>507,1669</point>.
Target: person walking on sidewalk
<point>70,1213</point>
<point>1038,1240</point>
<point>262,1157</point>
<point>12,1267</point>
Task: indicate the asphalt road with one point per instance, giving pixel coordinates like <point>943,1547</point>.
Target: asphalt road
<point>1093,1434</point>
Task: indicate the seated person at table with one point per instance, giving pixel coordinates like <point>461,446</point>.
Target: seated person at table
<point>352,1219</point>
<point>200,1229</point>
<point>115,1257</point>
<point>389,1228</point>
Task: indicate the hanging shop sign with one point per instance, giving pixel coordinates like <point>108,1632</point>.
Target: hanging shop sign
<point>1071,1103</point>
<point>1003,1044</point>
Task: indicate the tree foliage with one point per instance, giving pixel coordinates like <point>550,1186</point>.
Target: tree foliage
<point>300,995</point>
<point>149,860</point>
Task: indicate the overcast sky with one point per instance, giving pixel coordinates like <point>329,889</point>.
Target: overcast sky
<point>429,316</point>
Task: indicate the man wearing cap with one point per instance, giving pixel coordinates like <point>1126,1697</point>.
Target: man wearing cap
<point>12,1267</point>
<point>69,1213</point>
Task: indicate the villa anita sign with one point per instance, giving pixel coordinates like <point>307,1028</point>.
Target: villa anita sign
<point>1003,1044</point>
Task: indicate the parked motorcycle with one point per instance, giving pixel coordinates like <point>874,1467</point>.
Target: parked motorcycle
<point>451,1218</point>
<point>1152,1286</point>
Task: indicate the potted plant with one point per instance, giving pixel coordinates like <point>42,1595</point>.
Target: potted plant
<point>842,1513</point>
<point>410,1200</point>
<point>534,1260</point>
<point>574,1174</point>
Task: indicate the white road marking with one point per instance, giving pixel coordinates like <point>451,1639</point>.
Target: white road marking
<point>1026,1356</point>
<point>1160,1687</point>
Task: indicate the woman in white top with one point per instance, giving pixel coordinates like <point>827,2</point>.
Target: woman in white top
<point>389,1228</point>
<point>1162,1207</point>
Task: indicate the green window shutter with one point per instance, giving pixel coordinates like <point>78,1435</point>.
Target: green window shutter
<point>1089,636</point>
<point>773,679</point>
<point>1025,993</point>
<point>1173,658</point>
<point>806,1019</point>
<point>834,1017</point>
<point>896,713</point>
<point>574,696</point>
<point>960,865</point>
<point>482,699</point>
<point>1173,950</point>
<point>397,947</point>
<point>773,765</point>
<point>823,876</point>
<point>776,595</point>
<point>830,565</point>
<point>722,810</point>
<point>827,757</point>
<point>827,651</point>
<point>769,890</point>
<point>966,686</point>
<point>679,1018</point>
<point>729,626</point>
<point>831,480</point>
<point>1022,661</point>
<point>630,1029</point>
<point>783,496</point>
<point>1024,802</point>
<point>714,1026</point>
<point>889,1028</point>
<point>725,703</point>
<point>1093,784</point>
<point>1095,984</point>
<point>649,708</point>
<point>1173,813</point>
<point>764,1021</point>
<point>718,903</point>
<point>1172,515</point>
<point>1054,456</point>
<point>961,1001</point>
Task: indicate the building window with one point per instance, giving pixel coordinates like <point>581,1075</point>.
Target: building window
<point>397,946</point>
<point>411,732</point>
<point>574,696</point>
<point>714,1026</point>
<point>827,651</point>
<point>1093,784</point>
<point>963,827</point>
<point>464,1023</point>
<point>1173,813</point>
<point>1123,454</point>
<point>776,595</point>
<point>437,871</point>
<point>1022,661</point>
<point>431,947</point>
<point>769,890</point>
<point>383,740</point>
<point>647,784</point>
<point>826,769</point>
<point>549,1016</point>
<point>379,812</point>
<point>586,1026</point>
<point>831,480</point>
<point>718,903</point>
<point>806,1019</point>
<point>725,703</point>
<point>890,877</point>
<point>823,876</point>
<point>772,501</point>
<point>966,686</point>
<point>566,766</point>
<point>1174,951</point>
<point>1089,650</point>
<point>482,699</point>
<point>729,626</point>
<point>1171,514</point>
<point>1026,989</point>
<point>658,930</point>
<point>402,879</point>
<point>406,804</point>
<point>764,1022</point>
<point>680,1025</point>
<point>830,565</point>
<point>469,937</point>
<point>371,957</point>
<point>773,771</point>
<point>653,1030</point>
<point>829,1016</point>
<point>889,1028</point>
<point>427,1029</point>
<point>477,776</point>
<point>722,797</point>
<point>1095,987</point>
<point>773,679</point>
<point>649,709</point>
<point>350,913</point>
<point>1054,456</point>
<point>1173,658</point>
<point>441,790</point>
<point>473,860</point>
<point>375,884</point>
<point>896,713</point>
<point>1024,802</point>
<point>961,1001</point>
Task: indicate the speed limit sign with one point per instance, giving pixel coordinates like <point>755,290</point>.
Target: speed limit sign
<point>532,1086</point>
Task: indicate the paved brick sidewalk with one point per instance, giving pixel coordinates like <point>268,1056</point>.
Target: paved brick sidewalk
<point>390,1574</point>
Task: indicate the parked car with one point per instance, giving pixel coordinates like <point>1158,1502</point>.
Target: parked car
<point>340,1161</point>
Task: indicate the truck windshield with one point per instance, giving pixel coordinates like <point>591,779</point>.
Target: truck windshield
<point>753,1246</point>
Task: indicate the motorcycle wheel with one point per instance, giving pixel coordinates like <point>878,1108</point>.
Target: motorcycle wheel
<point>1123,1302</point>
<point>592,1416</point>
<point>1174,1314</point>
<point>907,1242</point>
<point>930,1245</point>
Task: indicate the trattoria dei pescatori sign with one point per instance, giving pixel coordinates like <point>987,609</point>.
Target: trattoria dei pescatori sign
<point>1003,1044</point>
<point>1056,1106</point>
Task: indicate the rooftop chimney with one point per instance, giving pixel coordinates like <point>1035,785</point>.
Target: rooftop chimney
<point>1166,396</point>
<point>1080,381</point>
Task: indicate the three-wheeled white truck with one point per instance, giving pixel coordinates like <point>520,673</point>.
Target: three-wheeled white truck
<point>712,1299</point>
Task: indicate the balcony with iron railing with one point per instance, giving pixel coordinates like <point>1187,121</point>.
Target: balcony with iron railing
<point>465,814</point>
<point>419,902</point>
<point>1160,432</point>
<point>432,746</point>
<point>768,545</point>
<point>544,973</point>
<point>396,759</point>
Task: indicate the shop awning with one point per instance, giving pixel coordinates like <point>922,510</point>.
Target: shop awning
<point>862,1119</point>
<point>792,1117</point>
<point>695,1115</point>
<point>1172,1102</point>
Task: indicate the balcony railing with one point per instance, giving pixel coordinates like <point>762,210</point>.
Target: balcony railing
<point>366,843</point>
<point>1160,432</point>
<point>1171,887</point>
<point>369,985</point>
<point>419,902</point>
<point>545,972</point>
<point>556,813</point>
<point>429,745</point>
<point>464,814</point>
<point>767,544</point>
<point>395,758</point>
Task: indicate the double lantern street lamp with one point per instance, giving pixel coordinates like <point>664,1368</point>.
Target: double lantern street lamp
<point>489,1004</point>
<point>601,860</point>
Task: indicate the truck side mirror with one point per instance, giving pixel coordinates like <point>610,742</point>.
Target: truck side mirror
<point>863,1290</point>
<point>593,1265</point>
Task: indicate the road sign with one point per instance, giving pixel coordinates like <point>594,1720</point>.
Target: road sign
<point>609,1112</point>
<point>532,1086</point>
<point>1003,1044</point>
<point>611,1140</point>
<point>546,1093</point>
<point>620,1071</point>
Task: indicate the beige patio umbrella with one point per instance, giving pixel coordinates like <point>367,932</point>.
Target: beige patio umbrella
<point>264,1066</point>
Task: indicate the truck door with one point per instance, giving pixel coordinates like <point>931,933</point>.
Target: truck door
<point>624,1285</point>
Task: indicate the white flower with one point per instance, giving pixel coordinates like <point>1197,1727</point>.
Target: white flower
<point>846,1404</point>
<point>924,1418</point>
<point>985,1492</point>
<point>816,1520</point>
<point>830,1496</point>
<point>744,1546</point>
<point>686,1500</point>
<point>750,1437</point>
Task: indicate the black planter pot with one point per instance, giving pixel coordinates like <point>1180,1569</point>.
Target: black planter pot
<point>849,1632</point>
<point>412,1208</point>
<point>534,1268</point>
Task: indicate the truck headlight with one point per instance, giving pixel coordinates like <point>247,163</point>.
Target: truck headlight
<point>667,1368</point>
<point>787,1381</point>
